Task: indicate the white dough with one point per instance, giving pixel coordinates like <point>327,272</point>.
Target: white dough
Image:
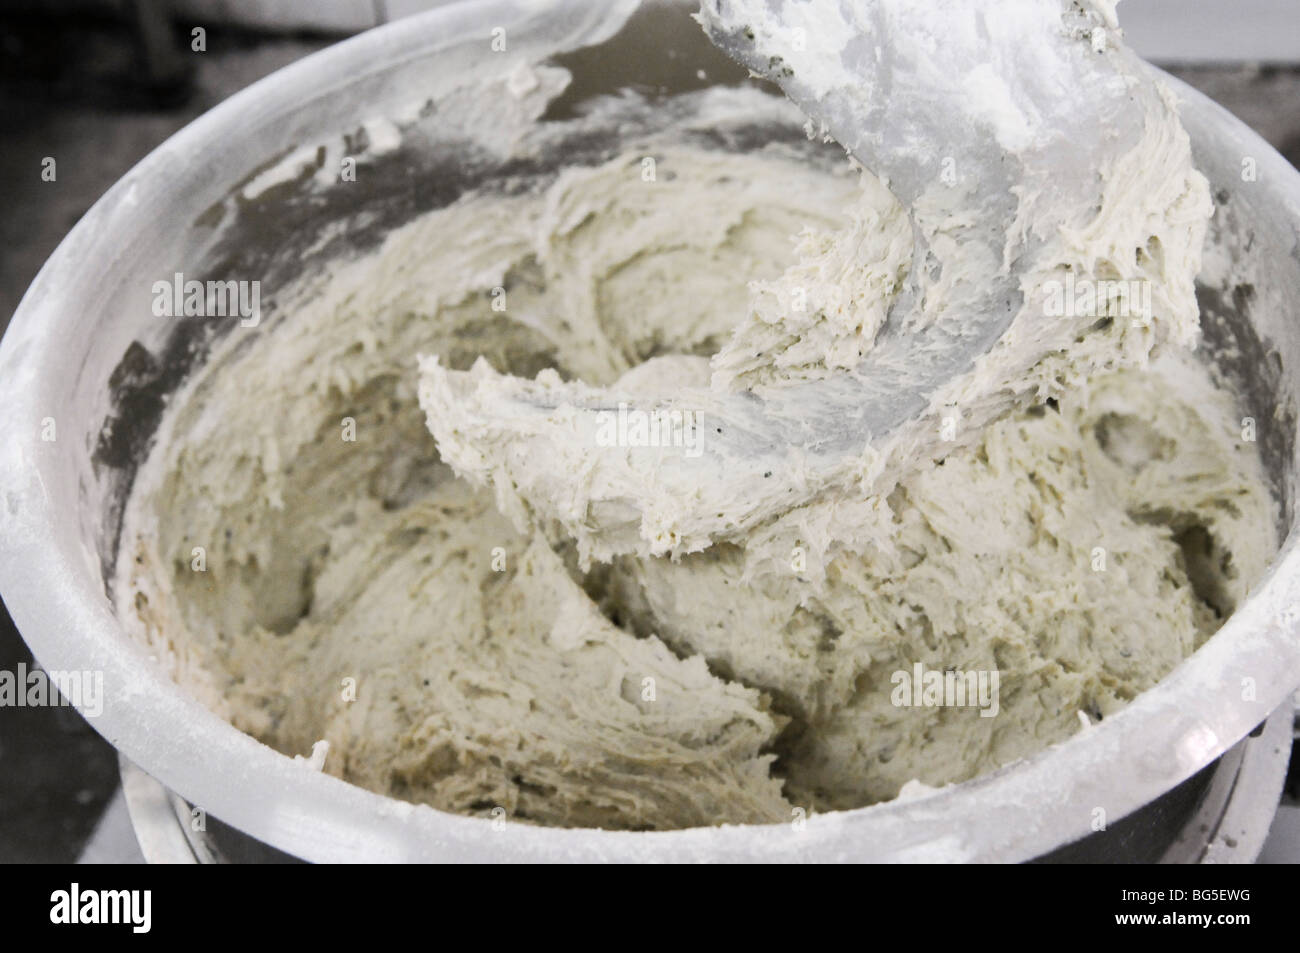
<point>455,648</point>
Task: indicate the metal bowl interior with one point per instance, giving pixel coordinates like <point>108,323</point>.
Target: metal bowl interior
<point>85,349</point>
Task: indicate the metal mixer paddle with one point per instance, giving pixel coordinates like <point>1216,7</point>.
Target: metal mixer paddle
<point>992,124</point>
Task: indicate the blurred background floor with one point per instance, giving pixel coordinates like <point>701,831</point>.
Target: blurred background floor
<point>74,88</point>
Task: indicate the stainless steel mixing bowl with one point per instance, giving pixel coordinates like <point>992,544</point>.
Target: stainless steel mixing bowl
<point>86,350</point>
